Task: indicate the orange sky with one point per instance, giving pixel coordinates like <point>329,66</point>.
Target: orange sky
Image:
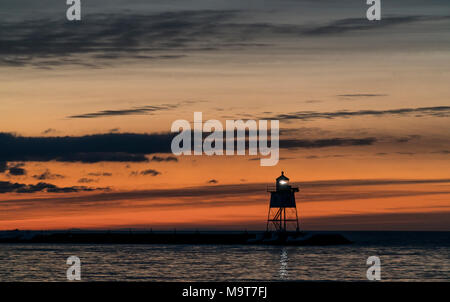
<point>293,70</point>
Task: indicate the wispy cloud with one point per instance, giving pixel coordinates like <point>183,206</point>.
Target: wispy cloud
<point>47,175</point>
<point>108,37</point>
<point>111,38</point>
<point>100,174</point>
<point>445,152</point>
<point>150,172</point>
<point>156,158</point>
<point>362,24</point>
<point>437,111</point>
<point>132,111</point>
<point>9,187</point>
<point>330,142</point>
<point>49,131</point>
<point>86,180</point>
<point>361,95</point>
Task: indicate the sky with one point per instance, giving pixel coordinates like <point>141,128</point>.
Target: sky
<point>86,110</point>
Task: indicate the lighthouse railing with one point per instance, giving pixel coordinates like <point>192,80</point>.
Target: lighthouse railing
<point>273,188</point>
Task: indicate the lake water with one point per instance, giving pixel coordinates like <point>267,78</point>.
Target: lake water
<point>405,256</point>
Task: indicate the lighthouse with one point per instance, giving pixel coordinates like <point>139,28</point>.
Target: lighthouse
<point>282,216</point>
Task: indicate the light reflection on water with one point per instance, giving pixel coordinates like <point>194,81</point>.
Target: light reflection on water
<point>284,264</point>
<point>47,262</point>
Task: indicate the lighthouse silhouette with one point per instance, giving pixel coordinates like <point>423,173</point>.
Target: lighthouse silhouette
<point>282,216</point>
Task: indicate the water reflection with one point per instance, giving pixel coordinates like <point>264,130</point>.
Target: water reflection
<point>109,262</point>
<point>283,272</point>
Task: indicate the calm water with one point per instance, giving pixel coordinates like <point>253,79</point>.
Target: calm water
<point>405,256</point>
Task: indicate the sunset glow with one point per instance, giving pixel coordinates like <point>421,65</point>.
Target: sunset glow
<point>363,110</point>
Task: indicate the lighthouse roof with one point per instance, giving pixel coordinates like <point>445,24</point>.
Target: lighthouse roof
<point>282,177</point>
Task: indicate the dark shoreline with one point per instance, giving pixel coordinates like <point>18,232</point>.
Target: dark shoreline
<point>173,237</point>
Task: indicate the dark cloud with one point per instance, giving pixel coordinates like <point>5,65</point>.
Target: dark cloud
<point>48,131</point>
<point>406,153</point>
<point>328,142</point>
<point>305,132</point>
<point>9,187</point>
<point>100,174</point>
<point>293,143</point>
<point>125,147</point>
<point>3,166</point>
<point>141,110</point>
<point>407,138</point>
<point>280,159</point>
<point>313,101</point>
<point>150,172</point>
<point>442,152</point>
<point>360,24</point>
<point>47,175</point>
<point>164,159</point>
<point>133,111</point>
<point>13,169</point>
<point>86,180</point>
<point>438,111</point>
<point>325,156</point>
<point>361,95</point>
<point>16,169</point>
<point>373,182</point>
<point>95,157</point>
<point>103,39</point>
<point>145,172</point>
